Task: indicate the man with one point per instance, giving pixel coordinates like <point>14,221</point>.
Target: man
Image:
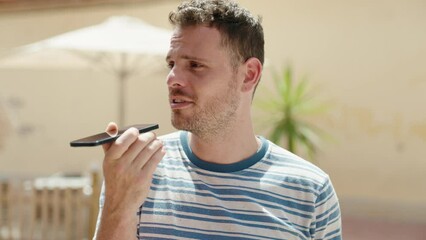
<point>214,179</point>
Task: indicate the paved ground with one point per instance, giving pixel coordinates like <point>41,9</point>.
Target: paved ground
<point>362,229</point>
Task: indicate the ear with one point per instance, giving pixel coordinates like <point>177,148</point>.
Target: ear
<point>253,71</point>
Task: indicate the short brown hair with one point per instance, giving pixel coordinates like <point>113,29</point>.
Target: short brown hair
<point>241,32</point>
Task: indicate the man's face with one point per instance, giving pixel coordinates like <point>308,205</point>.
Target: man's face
<point>203,87</point>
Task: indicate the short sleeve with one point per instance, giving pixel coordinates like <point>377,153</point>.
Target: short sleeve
<point>327,224</point>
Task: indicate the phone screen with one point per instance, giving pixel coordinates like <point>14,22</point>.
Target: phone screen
<point>102,138</point>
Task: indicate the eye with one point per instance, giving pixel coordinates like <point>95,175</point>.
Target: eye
<point>195,65</point>
<point>170,64</point>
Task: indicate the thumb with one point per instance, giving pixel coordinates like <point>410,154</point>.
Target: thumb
<point>112,130</point>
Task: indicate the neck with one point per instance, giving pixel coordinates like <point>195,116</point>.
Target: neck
<point>233,144</point>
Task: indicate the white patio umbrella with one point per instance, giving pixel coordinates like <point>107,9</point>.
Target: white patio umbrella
<point>121,45</point>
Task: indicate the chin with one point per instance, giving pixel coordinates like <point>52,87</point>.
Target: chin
<point>178,122</point>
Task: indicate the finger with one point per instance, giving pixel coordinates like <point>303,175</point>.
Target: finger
<point>138,146</point>
<point>111,129</point>
<point>145,155</point>
<point>155,159</point>
<point>122,144</point>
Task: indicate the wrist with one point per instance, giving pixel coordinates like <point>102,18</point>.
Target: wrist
<point>120,210</point>
<point>118,223</point>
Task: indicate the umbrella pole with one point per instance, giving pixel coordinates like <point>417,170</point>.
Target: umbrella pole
<point>123,75</point>
<point>122,98</point>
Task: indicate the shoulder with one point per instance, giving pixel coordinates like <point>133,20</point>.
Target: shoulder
<point>291,160</point>
<point>295,169</point>
<point>307,182</point>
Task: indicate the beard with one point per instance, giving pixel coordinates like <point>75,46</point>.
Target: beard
<point>211,119</point>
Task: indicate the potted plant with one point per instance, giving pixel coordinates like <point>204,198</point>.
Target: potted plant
<point>287,108</point>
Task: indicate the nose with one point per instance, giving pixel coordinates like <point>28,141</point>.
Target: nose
<point>175,78</point>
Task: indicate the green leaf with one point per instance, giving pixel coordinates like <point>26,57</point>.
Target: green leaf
<point>287,104</point>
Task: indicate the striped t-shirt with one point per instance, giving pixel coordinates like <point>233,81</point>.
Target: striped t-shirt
<point>271,195</point>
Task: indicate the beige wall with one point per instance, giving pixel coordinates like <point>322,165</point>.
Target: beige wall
<point>367,57</point>
<point>61,105</point>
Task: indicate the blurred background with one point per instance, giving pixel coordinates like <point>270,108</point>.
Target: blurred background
<point>366,60</point>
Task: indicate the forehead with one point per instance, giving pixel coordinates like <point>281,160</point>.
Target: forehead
<point>197,33</point>
<point>196,40</point>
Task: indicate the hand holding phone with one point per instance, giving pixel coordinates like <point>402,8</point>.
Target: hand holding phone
<point>102,138</point>
<point>128,168</point>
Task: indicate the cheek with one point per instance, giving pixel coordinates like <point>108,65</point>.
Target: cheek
<point>213,84</point>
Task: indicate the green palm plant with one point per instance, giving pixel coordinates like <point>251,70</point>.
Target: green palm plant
<point>288,106</point>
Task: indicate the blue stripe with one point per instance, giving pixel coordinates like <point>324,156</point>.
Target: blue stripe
<point>326,194</point>
<point>224,213</point>
<point>169,160</point>
<point>311,186</point>
<point>170,163</point>
<point>182,234</point>
<point>209,232</point>
<point>238,199</point>
<point>237,177</point>
<point>233,199</point>
<point>213,212</point>
<point>229,221</point>
<point>331,218</point>
<point>241,191</point>
<point>208,206</point>
<point>289,177</point>
<point>337,234</point>
<point>327,212</point>
<point>204,208</point>
<point>159,180</point>
<point>273,160</point>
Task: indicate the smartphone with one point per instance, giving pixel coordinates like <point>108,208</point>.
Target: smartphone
<point>102,138</point>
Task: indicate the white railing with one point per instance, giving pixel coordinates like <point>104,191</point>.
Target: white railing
<point>48,208</point>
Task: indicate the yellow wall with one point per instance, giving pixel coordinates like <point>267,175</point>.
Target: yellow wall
<point>367,57</point>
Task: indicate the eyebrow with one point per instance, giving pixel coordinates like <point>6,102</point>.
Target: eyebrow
<point>188,57</point>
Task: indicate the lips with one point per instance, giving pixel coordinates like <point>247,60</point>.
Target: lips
<point>180,102</point>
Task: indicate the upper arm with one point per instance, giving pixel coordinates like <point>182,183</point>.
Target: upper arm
<point>327,222</point>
